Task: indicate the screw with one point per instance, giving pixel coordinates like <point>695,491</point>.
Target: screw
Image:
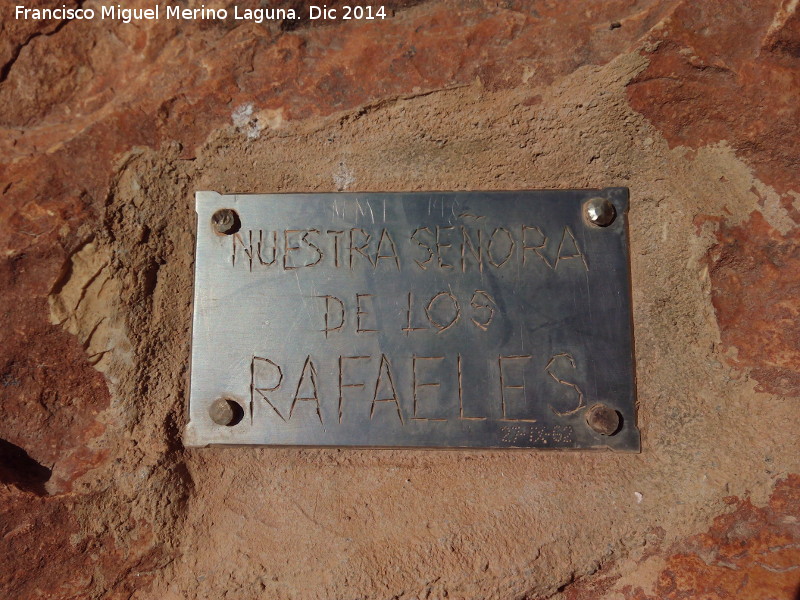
<point>603,419</point>
<point>225,221</point>
<point>599,211</point>
<point>226,412</point>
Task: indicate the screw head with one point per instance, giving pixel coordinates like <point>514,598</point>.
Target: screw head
<point>599,211</point>
<point>225,412</point>
<point>603,419</point>
<point>225,221</point>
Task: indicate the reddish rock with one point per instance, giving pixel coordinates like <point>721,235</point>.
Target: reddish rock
<point>731,72</point>
<point>749,553</point>
<point>50,395</point>
<point>728,71</point>
<point>47,551</point>
<point>756,294</point>
<point>304,73</point>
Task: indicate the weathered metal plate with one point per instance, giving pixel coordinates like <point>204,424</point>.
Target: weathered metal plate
<point>441,319</point>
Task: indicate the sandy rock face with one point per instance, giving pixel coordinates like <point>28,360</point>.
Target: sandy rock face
<point>109,129</point>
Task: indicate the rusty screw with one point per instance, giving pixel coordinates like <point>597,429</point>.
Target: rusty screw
<point>603,419</point>
<point>225,412</point>
<point>225,221</point>
<point>599,211</point>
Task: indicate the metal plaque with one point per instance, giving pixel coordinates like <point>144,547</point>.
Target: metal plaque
<point>436,319</point>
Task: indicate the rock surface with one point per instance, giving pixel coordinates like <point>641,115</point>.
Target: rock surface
<point>107,131</point>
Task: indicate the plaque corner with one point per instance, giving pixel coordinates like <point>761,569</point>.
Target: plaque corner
<point>206,196</point>
<point>192,438</point>
<point>619,195</point>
